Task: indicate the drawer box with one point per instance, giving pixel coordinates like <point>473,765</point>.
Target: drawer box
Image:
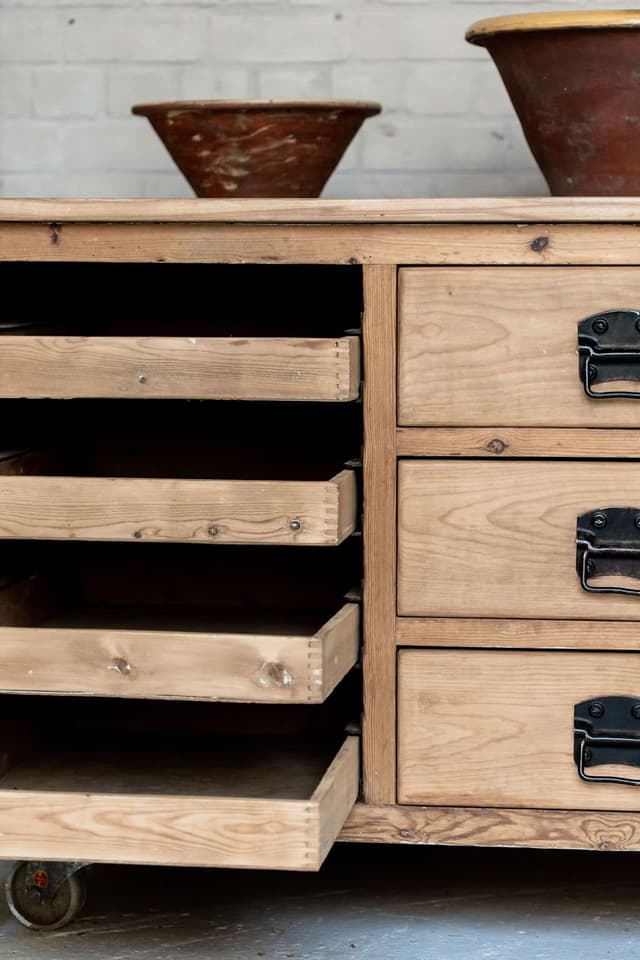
<point>264,656</point>
<point>497,346</point>
<point>318,513</point>
<point>498,539</point>
<point>211,368</point>
<point>255,806</point>
<point>307,512</point>
<point>495,728</point>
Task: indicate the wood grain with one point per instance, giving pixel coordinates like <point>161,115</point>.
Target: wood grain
<point>504,443</point>
<point>195,511</point>
<point>163,663</point>
<point>102,825</point>
<point>379,534</point>
<point>485,539</point>
<point>486,347</point>
<point>267,368</point>
<point>477,827</point>
<point>338,642</point>
<point>495,728</point>
<point>536,244</point>
<point>518,634</point>
<point>336,794</point>
<point>418,210</point>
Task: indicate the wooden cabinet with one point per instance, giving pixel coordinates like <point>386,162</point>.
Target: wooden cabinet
<point>396,389</point>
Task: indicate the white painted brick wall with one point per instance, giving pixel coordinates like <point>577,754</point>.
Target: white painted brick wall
<point>71,69</point>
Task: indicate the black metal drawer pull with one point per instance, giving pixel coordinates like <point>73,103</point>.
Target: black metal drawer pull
<point>609,349</point>
<point>608,544</point>
<point>606,730</point>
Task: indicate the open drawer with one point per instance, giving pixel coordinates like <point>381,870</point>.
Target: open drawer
<point>206,368</point>
<point>320,513</point>
<point>256,804</point>
<point>53,641</point>
<point>130,482</point>
<point>192,331</point>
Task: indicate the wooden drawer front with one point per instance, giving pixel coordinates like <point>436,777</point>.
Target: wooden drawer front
<point>498,346</point>
<point>213,368</point>
<point>498,539</point>
<point>195,511</point>
<point>267,811</point>
<point>277,659</point>
<point>495,728</point>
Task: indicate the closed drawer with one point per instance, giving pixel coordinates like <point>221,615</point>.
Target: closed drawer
<point>498,346</point>
<point>56,644</point>
<point>257,805</point>
<point>488,539</point>
<point>495,728</point>
<point>208,368</point>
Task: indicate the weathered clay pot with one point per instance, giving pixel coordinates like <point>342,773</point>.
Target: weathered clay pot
<point>257,148</point>
<point>574,80</point>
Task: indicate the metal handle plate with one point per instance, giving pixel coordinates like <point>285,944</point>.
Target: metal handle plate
<point>606,730</point>
<point>609,350</point>
<point>608,544</point>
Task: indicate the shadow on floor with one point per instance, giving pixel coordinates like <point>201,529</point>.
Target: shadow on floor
<point>382,903</point>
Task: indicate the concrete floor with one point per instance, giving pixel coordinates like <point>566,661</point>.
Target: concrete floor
<point>379,903</point>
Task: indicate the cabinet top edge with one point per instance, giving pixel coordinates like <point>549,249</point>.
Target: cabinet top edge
<point>266,211</point>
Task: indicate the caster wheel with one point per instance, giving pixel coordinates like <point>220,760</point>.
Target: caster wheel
<point>46,896</point>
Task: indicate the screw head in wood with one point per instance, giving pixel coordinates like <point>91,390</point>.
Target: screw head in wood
<point>213,531</point>
<point>295,525</point>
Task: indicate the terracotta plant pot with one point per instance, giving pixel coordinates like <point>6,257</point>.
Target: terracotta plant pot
<point>257,148</point>
<point>574,80</point>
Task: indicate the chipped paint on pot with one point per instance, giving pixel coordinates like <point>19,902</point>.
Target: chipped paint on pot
<point>257,148</point>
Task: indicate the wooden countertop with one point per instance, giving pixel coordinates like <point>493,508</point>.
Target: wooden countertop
<point>464,210</point>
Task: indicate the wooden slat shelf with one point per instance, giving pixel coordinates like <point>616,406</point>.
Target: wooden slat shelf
<point>252,805</point>
<point>208,368</point>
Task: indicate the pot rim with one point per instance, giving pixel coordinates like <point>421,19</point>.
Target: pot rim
<point>481,31</point>
<point>368,107</point>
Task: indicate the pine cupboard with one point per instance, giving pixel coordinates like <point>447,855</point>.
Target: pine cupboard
<point>279,440</point>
